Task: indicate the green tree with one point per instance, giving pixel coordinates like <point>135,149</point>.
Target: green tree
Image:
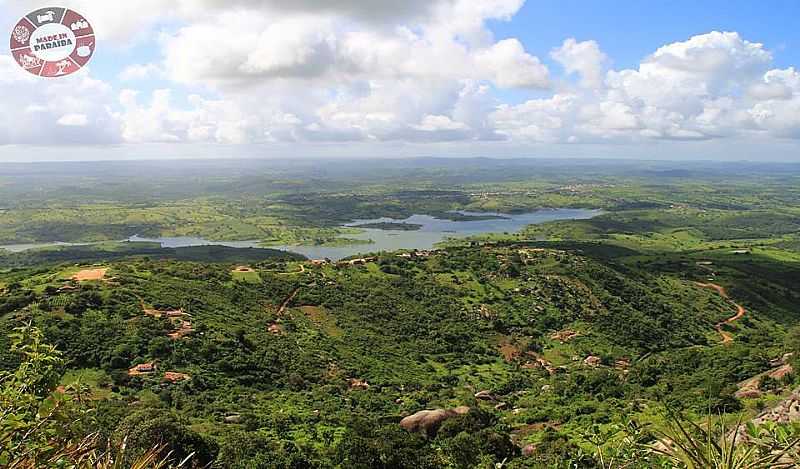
<point>34,419</point>
<point>142,429</point>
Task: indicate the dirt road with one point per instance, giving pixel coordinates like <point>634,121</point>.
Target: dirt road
<point>301,271</point>
<point>288,300</point>
<point>740,311</point>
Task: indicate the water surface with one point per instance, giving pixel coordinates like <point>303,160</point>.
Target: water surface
<point>432,230</point>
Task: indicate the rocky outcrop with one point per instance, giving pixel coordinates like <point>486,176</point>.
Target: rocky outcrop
<point>428,421</point>
<point>749,387</point>
<point>748,394</point>
<point>592,361</point>
<point>233,419</point>
<point>786,411</point>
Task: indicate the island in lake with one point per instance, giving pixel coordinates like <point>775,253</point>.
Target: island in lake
<point>391,226</point>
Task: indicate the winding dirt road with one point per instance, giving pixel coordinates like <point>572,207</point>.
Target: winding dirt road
<point>740,311</point>
<point>301,271</point>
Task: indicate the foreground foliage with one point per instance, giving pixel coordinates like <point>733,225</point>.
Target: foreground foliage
<point>41,426</point>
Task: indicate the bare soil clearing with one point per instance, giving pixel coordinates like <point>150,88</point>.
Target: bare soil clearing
<point>90,275</point>
<point>175,377</point>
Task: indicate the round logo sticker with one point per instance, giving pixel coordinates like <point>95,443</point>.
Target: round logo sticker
<point>52,42</point>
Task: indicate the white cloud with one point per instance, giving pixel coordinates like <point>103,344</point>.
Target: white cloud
<point>433,123</point>
<point>350,81</point>
<point>711,86</point>
<point>511,67</point>
<point>53,112</point>
<point>584,58</point>
<point>244,48</point>
<point>137,72</point>
<point>372,86</point>
<point>73,120</point>
<point>380,71</point>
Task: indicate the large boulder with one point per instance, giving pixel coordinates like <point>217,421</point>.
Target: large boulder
<point>428,421</point>
<point>748,394</point>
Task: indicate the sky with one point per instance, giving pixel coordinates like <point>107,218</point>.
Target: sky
<point>382,78</point>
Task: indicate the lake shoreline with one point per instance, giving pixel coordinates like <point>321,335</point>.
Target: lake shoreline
<point>429,231</point>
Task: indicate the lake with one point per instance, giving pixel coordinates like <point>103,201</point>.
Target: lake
<point>432,230</point>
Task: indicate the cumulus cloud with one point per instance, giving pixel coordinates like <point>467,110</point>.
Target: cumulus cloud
<point>710,86</point>
<point>132,21</point>
<point>509,66</point>
<point>584,58</point>
<point>350,81</point>
<point>51,112</point>
<point>247,71</point>
<point>242,48</point>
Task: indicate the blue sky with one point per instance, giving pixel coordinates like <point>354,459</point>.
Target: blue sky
<point>630,30</point>
<point>187,78</point>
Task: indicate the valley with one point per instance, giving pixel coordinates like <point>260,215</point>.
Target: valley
<point>540,338</point>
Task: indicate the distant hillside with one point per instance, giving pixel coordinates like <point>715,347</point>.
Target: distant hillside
<point>118,251</point>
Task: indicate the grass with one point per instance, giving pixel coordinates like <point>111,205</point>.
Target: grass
<point>247,277</point>
<point>323,319</point>
<point>98,381</point>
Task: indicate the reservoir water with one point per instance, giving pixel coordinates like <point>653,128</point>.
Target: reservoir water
<point>431,231</point>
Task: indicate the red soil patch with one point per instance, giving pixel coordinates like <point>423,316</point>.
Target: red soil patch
<point>90,275</point>
<point>622,364</point>
<point>593,361</point>
<point>244,268</point>
<point>174,377</point>
<point>539,362</point>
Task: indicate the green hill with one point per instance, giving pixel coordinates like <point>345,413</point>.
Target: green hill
<point>316,366</point>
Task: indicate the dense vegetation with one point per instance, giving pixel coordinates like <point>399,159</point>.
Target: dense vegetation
<point>570,342</point>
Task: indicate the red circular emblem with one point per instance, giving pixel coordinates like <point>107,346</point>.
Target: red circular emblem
<point>52,42</point>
